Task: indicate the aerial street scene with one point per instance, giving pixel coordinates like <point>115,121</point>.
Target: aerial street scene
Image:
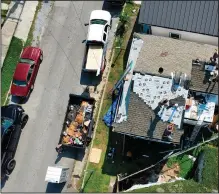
<point>109,96</point>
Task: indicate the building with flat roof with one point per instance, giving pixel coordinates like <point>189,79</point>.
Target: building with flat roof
<point>186,20</point>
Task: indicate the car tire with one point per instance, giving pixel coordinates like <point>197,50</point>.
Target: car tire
<point>24,119</point>
<point>32,87</point>
<point>10,165</point>
<point>7,173</point>
<point>41,58</point>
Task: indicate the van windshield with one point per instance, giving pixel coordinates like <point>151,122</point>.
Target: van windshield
<point>98,21</point>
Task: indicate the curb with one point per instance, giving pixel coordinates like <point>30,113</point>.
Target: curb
<point>9,33</point>
<point>8,93</point>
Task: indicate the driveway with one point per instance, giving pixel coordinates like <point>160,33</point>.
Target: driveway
<point>59,75</point>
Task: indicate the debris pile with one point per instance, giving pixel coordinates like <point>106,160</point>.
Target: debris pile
<point>77,124</point>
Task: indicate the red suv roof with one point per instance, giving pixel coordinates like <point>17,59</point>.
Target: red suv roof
<point>21,71</point>
<point>30,53</point>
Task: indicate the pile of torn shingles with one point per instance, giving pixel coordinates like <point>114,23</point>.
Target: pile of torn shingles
<point>162,70</point>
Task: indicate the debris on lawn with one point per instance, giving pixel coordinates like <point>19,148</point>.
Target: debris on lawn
<point>95,155</point>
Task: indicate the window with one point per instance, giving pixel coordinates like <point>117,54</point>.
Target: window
<point>97,21</point>
<point>30,73</point>
<point>175,36</point>
<point>145,29</point>
<point>104,36</point>
<point>19,83</point>
<point>106,28</point>
<point>27,61</point>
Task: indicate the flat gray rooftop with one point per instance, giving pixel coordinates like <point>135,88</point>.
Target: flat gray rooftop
<point>170,54</point>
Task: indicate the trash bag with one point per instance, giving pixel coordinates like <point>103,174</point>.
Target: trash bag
<point>109,116</point>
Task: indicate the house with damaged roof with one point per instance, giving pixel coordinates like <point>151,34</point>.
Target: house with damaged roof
<point>161,70</point>
<point>184,20</point>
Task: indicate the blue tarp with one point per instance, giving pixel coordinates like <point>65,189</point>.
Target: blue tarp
<point>109,116</point>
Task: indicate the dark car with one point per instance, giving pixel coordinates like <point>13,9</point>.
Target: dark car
<point>26,71</point>
<point>13,120</point>
<point>116,2</point>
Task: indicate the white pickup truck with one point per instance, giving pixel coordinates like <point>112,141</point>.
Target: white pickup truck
<point>95,50</point>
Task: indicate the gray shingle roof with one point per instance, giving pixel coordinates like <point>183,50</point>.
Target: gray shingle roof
<point>171,54</point>
<point>199,81</point>
<point>140,115</point>
<point>192,16</point>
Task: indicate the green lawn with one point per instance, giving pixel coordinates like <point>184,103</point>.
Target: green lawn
<point>7,2</point>
<point>9,66</point>
<point>210,171</point>
<point>99,181</point>
<point>209,175</point>
<point>184,162</point>
<point>4,13</point>
<point>187,186</point>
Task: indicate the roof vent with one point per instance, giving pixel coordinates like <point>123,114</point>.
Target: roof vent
<point>160,70</point>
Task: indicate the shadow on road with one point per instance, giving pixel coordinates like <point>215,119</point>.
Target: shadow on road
<point>11,11</point>
<point>19,100</point>
<point>74,153</point>
<point>3,181</point>
<point>89,79</point>
<point>55,187</point>
<point>114,10</point>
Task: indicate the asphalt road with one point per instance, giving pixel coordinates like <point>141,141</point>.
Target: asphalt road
<point>59,75</point>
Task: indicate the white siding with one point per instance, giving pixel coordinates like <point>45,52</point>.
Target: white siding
<point>195,37</point>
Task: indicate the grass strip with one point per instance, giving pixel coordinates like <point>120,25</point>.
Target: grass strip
<point>184,162</point>
<point>210,170</point>
<point>186,186</point>
<point>9,66</point>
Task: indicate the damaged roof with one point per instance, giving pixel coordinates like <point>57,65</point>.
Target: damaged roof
<point>170,54</point>
<point>200,82</point>
<point>191,16</point>
<point>140,116</point>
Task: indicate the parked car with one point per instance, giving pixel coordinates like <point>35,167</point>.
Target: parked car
<point>26,71</point>
<point>116,2</point>
<point>13,120</point>
<point>96,43</point>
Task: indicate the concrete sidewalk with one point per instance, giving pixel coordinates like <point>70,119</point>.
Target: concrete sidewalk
<point>26,20</point>
<point>10,25</point>
<point>20,18</point>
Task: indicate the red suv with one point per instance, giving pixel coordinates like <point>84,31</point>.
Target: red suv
<point>26,71</point>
